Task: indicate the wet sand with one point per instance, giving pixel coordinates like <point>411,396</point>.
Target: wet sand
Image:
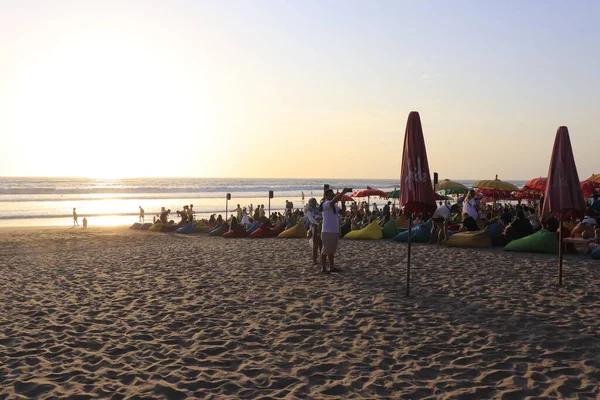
<point>110,312</point>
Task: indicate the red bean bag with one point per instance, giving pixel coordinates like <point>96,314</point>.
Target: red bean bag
<point>263,232</point>
<point>238,232</point>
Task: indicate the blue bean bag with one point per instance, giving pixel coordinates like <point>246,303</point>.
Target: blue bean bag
<point>218,226</point>
<point>420,233</point>
<point>255,225</point>
<point>596,254</point>
<point>189,228</point>
<point>542,241</point>
<point>496,234</point>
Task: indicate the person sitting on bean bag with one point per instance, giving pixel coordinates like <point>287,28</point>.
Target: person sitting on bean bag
<point>519,228</point>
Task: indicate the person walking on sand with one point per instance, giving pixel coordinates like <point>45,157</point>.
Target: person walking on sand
<point>330,231</point>
<point>75,217</point>
<point>141,215</point>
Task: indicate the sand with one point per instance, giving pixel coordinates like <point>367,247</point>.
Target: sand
<point>117,313</point>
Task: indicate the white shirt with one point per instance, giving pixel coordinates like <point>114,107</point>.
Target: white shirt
<point>331,220</point>
<point>469,208</point>
<point>442,212</point>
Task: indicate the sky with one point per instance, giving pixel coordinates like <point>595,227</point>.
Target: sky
<point>295,89</point>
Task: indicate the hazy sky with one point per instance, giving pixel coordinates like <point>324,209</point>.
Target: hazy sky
<point>295,88</point>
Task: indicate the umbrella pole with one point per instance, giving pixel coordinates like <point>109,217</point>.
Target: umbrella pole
<point>560,253</point>
<point>410,220</point>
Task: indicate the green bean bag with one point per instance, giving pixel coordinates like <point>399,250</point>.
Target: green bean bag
<point>297,231</point>
<point>542,241</point>
<point>420,233</point>
<point>369,232</point>
<point>201,228</point>
<point>596,254</point>
<point>476,239</point>
<point>390,229</point>
<point>219,231</point>
<point>156,227</point>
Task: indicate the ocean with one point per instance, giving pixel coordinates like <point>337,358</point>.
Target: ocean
<point>50,201</point>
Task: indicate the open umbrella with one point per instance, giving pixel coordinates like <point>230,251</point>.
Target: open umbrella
<point>594,178</point>
<point>451,187</point>
<point>536,184</point>
<point>344,197</point>
<point>394,194</point>
<point>563,197</point>
<point>368,192</point>
<point>589,188</point>
<point>417,191</point>
<point>495,188</point>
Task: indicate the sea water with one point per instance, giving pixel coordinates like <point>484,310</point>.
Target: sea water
<point>50,201</point>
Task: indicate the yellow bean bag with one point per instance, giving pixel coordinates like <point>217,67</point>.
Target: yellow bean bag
<point>295,232</point>
<point>401,221</point>
<point>476,239</point>
<point>156,227</point>
<point>369,232</point>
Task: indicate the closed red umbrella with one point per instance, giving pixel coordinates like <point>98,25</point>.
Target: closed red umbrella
<point>563,197</point>
<point>416,189</point>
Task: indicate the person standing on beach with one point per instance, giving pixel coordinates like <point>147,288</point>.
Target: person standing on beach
<point>141,215</point>
<point>262,211</point>
<point>330,231</point>
<point>238,212</point>
<point>75,217</point>
<point>191,213</point>
<point>314,218</point>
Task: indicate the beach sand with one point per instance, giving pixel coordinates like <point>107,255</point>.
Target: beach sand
<point>110,312</point>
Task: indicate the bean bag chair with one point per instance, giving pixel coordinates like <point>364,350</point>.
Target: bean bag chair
<point>214,227</point>
<point>420,233</point>
<point>345,228</point>
<point>201,228</point>
<point>136,226</point>
<point>168,228</point>
<point>146,226</point>
<point>369,232</point>
<point>390,229</point>
<point>278,229</point>
<point>156,227</point>
<point>263,232</point>
<point>473,239</point>
<point>238,232</point>
<point>189,228</point>
<point>542,241</point>
<point>297,231</point>
<point>255,225</point>
<point>401,221</point>
<point>596,254</point>
<point>496,231</point>
<point>220,231</point>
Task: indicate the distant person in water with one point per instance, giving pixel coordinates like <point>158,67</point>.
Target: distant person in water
<point>141,215</point>
<point>84,221</point>
<point>75,217</point>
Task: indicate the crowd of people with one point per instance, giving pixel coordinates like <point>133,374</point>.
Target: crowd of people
<point>332,218</point>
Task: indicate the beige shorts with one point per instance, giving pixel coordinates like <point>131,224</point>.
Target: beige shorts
<point>330,242</point>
